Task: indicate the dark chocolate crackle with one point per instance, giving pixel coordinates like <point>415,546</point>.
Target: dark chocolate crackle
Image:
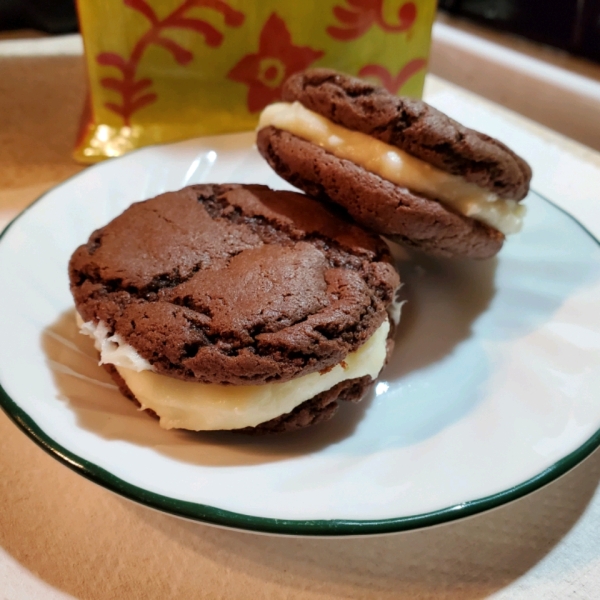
<point>414,127</point>
<point>234,284</point>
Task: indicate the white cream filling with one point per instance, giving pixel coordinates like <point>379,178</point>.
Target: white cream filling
<point>396,166</point>
<point>113,350</point>
<point>394,310</point>
<point>203,406</point>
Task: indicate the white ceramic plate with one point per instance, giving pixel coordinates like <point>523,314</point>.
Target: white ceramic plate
<point>493,389</point>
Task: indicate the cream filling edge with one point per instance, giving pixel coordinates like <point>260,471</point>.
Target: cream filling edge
<point>199,406</point>
<point>396,166</point>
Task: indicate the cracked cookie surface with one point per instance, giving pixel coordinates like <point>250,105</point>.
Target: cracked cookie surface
<point>234,284</point>
<point>413,126</point>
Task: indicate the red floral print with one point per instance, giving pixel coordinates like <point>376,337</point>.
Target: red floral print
<point>393,84</point>
<point>277,58</point>
<point>362,14</point>
<point>134,92</point>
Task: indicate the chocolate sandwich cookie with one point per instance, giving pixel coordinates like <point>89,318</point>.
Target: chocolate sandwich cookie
<point>397,165</point>
<point>236,307</point>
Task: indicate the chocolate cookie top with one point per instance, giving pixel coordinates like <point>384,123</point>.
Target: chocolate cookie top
<point>412,126</point>
<point>234,284</point>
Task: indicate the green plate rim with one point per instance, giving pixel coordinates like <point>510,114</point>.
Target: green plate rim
<point>318,528</point>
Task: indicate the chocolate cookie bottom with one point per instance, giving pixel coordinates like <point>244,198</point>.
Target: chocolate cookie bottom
<point>315,410</point>
<point>374,202</point>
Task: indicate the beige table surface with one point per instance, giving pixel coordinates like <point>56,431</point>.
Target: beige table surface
<point>61,536</point>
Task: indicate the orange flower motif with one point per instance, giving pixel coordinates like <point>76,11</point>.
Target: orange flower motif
<point>390,83</point>
<point>361,15</point>
<point>277,58</point>
<point>128,86</point>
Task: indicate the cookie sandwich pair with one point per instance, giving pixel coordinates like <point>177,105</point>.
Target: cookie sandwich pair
<point>236,307</point>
